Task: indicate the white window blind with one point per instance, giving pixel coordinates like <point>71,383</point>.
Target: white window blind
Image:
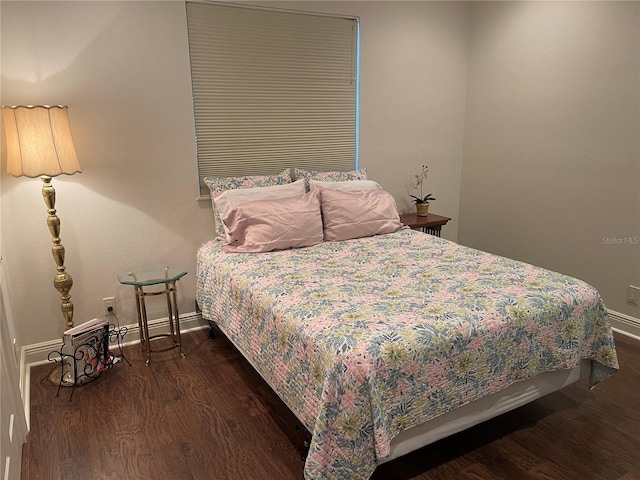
<point>272,90</point>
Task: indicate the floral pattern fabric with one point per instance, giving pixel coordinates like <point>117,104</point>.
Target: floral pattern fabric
<point>366,338</point>
<point>219,185</point>
<point>360,174</point>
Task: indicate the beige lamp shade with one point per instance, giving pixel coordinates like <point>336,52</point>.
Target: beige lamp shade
<point>39,141</point>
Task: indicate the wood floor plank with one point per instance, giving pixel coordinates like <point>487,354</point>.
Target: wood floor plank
<point>210,416</point>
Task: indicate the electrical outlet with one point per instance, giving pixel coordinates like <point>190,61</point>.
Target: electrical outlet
<point>633,295</point>
<point>109,305</point>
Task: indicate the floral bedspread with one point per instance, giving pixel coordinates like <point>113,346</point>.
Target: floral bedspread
<point>365,338</point>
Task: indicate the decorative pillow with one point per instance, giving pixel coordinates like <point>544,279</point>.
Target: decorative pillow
<point>218,185</point>
<point>357,213</point>
<point>346,186</point>
<point>331,176</point>
<point>265,225</point>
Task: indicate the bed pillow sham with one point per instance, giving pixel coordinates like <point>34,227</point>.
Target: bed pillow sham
<point>360,174</point>
<point>276,224</point>
<point>356,214</point>
<point>345,186</point>
<point>218,185</point>
<point>231,199</point>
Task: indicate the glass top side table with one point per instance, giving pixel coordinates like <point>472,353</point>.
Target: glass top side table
<point>146,276</point>
<point>152,274</point>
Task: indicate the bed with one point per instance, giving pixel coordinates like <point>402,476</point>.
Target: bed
<point>385,343</point>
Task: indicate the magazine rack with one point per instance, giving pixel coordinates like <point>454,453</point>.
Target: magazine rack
<point>75,369</point>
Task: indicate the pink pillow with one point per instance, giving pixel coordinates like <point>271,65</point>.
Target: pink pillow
<point>357,213</point>
<point>265,225</point>
<point>230,199</point>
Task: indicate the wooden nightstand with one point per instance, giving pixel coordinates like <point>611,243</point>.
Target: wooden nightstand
<point>432,223</point>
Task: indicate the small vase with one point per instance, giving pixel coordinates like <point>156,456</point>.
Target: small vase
<point>422,209</point>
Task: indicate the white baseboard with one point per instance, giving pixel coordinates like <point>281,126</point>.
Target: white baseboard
<point>37,354</point>
<point>625,324</point>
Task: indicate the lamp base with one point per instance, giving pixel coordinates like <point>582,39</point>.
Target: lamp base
<point>62,281</point>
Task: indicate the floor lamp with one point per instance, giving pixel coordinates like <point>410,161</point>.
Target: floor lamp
<point>39,144</point>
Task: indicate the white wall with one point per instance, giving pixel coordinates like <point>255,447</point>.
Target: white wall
<point>412,97</point>
<point>551,166</point>
<point>123,70</point>
<point>540,99</point>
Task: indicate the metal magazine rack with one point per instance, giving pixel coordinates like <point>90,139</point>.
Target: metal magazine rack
<point>86,358</point>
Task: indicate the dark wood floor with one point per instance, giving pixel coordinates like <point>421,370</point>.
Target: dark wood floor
<point>209,416</point>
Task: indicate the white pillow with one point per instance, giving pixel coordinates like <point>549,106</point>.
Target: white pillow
<point>231,199</point>
<point>346,185</point>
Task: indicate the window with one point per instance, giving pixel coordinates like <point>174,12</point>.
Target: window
<point>272,89</point>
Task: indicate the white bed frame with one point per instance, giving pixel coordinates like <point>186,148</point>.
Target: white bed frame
<point>512,397</point>
<point>485,408</point>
